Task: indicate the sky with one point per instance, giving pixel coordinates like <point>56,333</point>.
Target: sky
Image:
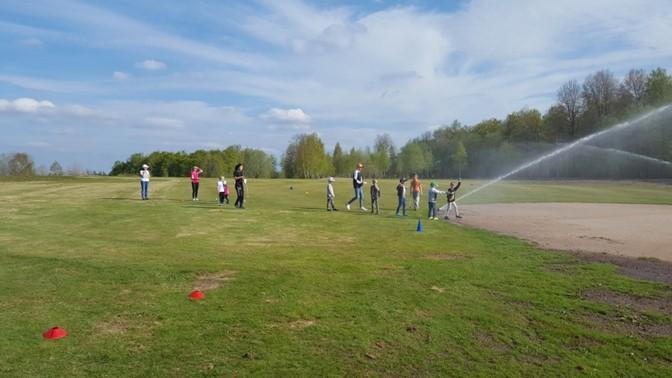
<point>88,83</point>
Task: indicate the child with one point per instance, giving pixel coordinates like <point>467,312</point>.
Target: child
<point>416,191</point>
<point>330,195</point>
<point>433,193</point>
<point>223,190</point>
<point>375,194</point>
<point>450,194</point>
<point>401,195</point>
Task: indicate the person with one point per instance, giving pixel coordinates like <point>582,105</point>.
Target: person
<point>433,194</point>
<point>223,190</point>
<point>330,195</point>
<point>401,195</point>
<point>144,182</point>
<point>416,191</point>
<point>239,183</point>
<point>195,182</point>
<point>375,195</point>
<point>357,183</point>
<point>450,194</point>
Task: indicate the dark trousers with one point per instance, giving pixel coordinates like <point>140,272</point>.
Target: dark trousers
<point>402,205</point>
<point>223,198</point>
<point>240,196</point>
<point>194,190</point>
<point>374,205</point>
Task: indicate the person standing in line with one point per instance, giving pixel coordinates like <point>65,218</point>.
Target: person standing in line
<point>195,182</point>
<point>401,196</point>
<point>331,195</point>
<point>375,195</point>
<point>358,183</point>
<point>416,191</point>
<point>450,195</point>
<point>144,182</point>
<point>433,194</point>
<point>239,183</point>
<point>223,191</point>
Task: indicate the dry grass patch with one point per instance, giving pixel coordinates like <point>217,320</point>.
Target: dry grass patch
<point>211,281</point>
<point>301,324</point>
<point>660,305</point>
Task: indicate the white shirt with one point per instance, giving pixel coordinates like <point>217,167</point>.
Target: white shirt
<point>220,186</point>
<point>144,175</point>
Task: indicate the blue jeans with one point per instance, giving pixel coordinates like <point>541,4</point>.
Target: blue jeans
<point>432,209</point>
<point>402,205</point>
<point>144,189</point>
<point>359,195</point>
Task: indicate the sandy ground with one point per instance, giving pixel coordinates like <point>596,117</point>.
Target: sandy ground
<point>621,229</point>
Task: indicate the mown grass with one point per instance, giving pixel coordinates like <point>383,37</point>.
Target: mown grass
<point>309,292</point>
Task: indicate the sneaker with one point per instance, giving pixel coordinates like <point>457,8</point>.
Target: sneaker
<point>458,216</point>
<point>328,209</point>
<point>193,199</point>
<point>362,208</point>
<point>347,206</point>
<point>335,209</point>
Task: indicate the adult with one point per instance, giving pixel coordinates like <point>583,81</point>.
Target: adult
<point>195,182</point>
<point>357,184</point>
<point>416,191</point>
<point>144,182</point>
<point>239,178</point>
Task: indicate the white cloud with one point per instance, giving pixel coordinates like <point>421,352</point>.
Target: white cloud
<point>118,75</point>
<point>164,122</point>
<point>25,105</point>
<point>31,42</point>
<point>151,65</point>
<point>296,118</point>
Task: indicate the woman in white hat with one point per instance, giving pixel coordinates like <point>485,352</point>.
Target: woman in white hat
<point>144,182</point>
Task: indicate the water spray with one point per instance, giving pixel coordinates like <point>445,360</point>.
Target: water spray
<point>579,142</point>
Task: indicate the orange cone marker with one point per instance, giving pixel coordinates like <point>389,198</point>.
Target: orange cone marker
<point>197,295</point>
<point>55,333</point>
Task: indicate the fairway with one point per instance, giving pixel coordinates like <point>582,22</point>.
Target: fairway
<point>294,290</point>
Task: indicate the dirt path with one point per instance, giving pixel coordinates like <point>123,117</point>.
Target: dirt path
<point>620,229</point>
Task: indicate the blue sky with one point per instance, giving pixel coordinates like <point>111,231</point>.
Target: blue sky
<point>88,83</point>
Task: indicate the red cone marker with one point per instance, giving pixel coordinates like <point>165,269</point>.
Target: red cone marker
<point>196,294</point>
<point>55,333</point>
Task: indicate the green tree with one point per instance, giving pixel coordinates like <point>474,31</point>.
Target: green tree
<point>658,87</point>
<point>415,157</point>
<point>338,160</point>
<point>524,126</point>
<point>460,158</point>
<point>305,158</point>
<point>56,169</point>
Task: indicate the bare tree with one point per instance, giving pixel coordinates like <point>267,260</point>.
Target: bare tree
<point>600,92</point>
<point>635,85</point>
<point>569,97</point>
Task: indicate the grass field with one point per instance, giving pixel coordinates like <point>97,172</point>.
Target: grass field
<point>293,290</point>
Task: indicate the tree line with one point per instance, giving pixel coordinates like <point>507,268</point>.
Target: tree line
<point>258,164</point>
<point>22,165</point>
<point>493,146</point>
